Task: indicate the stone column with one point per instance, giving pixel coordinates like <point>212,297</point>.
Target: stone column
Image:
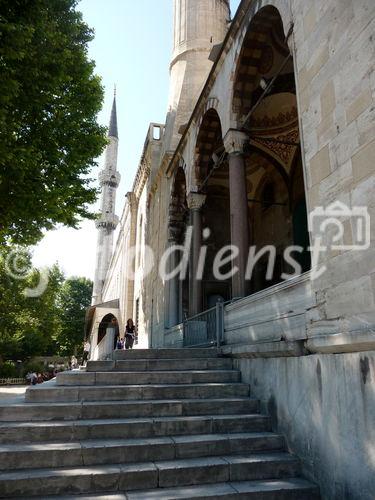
<point>173,284</point>
<point>195,202</point>
<point>130,265</point>
<point>233,142</point>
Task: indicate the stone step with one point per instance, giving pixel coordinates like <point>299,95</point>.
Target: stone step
<point>50,392</point>
<point>186,353</point>
<point>34,412</point>
<point>145,476</point>
<point>68,431</point>
<point>74,378</point>
<point>128,365</point>
<point>120,451</point>
<point>268,489</point>
<point>286,489</point>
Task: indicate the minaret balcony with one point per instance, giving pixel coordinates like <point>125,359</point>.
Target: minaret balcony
<point>107,221</point>
<point>110,178</point>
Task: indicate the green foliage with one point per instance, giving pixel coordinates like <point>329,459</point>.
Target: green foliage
<point>8,369</point>
<point>46,325</point>
<point>49,100</point>
<point>74,298</point>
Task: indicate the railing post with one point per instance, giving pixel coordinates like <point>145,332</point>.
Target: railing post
<point>218,321</point>
<point>184,324</point>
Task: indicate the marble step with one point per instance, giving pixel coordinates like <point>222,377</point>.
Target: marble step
<point>120,451</point>
<point>145,476</point>
<point>186,353</point>
<point>128,365</point>
<point>266,489</point>
<point>67,431</point>
<point>74,378</point>
<point>286,489</point>
<point>36,412</point>
<point>50,392</point>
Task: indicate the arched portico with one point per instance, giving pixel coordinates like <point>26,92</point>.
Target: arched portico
<point>209,214</point>
<point>267,191</point>
<point>211,170</point>
<point>178,286</point>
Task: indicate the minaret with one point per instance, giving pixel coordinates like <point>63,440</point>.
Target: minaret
<point>199,25</point>
<point>109,180</point>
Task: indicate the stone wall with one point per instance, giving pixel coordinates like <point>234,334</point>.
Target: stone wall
<point>275,314</point>
<point>335,46</point>
<point>325,406</point>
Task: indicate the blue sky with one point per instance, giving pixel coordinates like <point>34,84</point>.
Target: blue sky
<point>132,49</point>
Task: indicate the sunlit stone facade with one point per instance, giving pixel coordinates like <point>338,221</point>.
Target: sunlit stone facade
<point>270,116</point>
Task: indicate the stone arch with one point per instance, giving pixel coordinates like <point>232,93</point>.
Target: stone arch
<point>261,50</point>
<point>178,218</point>
<point>211,103</point>
<point>264,107</point>
<point>212,179</point>
<point>209,145</point>
<point>178,210</point>
<point>104,324</point>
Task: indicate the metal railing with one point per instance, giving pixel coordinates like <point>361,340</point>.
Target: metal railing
<point>13,381</point>
<point>206,328</point>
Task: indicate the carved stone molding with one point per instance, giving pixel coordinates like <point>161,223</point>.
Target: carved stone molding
<point>107,221</point>
<point>109,177</point>
<point>133,200</point>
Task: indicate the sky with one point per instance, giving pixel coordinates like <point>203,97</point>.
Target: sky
<point>132,49</point>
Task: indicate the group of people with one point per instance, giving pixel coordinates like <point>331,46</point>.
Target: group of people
<point>38,377</point>
<point>128,341</point>
<point>125,342</point>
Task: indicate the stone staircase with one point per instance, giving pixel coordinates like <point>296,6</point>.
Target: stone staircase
<point>152,424</point>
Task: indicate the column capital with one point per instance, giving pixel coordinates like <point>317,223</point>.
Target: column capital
<point>195,201</point>
<point>234,141</point>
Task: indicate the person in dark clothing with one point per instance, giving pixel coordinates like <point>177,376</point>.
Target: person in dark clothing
<point>116,337</point>
<point>120,344</point>
<point>129,334</point>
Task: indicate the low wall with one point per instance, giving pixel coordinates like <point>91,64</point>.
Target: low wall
<point>324,404</point>
<point>319,395</point>
<point>277,313</point>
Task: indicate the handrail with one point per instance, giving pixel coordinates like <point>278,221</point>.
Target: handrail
<point>205,328</point>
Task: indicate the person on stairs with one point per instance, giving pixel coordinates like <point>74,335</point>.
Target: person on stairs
<point>129,334</point>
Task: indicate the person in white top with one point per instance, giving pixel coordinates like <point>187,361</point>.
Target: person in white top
<point>86,352</point>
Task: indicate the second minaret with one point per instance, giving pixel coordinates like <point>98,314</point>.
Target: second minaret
<point>106,224</point>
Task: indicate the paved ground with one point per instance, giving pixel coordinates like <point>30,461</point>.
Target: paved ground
<point>12,393</point>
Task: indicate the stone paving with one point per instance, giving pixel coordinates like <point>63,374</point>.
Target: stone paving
<point>12,393</point>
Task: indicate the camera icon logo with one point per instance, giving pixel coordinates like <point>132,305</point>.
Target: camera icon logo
<point>329,225</point>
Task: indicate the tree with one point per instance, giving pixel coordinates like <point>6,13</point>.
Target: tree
<point>45,323</point>
<point>74,297</point>
<point>49,100</point>
<point>28,324</point>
